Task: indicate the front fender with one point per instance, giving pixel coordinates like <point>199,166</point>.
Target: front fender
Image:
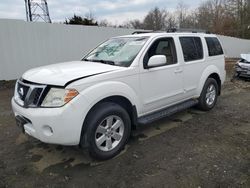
<point>100,91</point>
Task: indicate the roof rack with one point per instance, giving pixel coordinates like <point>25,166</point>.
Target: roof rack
<point>173,30</point>
<point>148,31</point>
<point>141,32</point>
<point>188,30</point>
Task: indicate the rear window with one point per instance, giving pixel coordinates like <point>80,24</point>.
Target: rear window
<point>214,47</point>
<point>192,48</point>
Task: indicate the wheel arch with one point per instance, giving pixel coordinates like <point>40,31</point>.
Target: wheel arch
<point>218,80</point>
<point>210,72</point>
<point>118,99</point>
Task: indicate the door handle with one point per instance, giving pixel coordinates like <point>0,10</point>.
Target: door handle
<point>178,71</point>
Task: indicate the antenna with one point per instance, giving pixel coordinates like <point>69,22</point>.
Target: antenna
<point>37,10</point>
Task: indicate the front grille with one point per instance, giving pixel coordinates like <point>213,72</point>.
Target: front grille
<point>37,95</point>
<point>28,94</point>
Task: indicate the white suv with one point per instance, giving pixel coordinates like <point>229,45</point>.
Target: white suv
<point>124,82</point>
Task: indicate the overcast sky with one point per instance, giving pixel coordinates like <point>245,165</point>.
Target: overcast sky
<point>115,11</point>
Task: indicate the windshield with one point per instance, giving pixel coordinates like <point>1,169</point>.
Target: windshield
<point>117,51</point>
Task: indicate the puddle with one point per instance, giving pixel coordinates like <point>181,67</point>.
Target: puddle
<point>51,156</point>
<point>164,126</point>
<point>45,157</point>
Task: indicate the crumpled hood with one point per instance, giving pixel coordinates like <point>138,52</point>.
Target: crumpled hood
<point>63,73</point>
<point>245,56</point>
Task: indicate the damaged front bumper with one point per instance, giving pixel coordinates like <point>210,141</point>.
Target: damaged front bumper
<point>242,73</point>
<point>242,69</point>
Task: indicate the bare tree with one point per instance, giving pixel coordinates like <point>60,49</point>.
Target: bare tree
<point>171,22</point>
<point>105,23</point>
<point>182,12</point>
<point>90,16</point>
<point>227,17</point>
<point>136,24</point>
<point>155,19</point>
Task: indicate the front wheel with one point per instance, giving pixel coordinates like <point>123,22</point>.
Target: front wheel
<point>109,128</point>
<point>209,95</point>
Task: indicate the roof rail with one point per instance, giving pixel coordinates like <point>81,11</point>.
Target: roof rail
<point>173,30</point>
<point>148,31</point>
<point>189,30</point>
<point>141,32</point>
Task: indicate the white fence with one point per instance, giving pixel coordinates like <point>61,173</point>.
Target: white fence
<point>233,47</point>
<point>26,45</point>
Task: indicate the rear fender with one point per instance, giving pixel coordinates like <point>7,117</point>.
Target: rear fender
<point>206,73</point>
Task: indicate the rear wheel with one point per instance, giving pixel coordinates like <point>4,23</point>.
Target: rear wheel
<point>209,95</point>
<point>108,130</point>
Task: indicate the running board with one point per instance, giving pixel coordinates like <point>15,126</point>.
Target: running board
<point>167,112</point>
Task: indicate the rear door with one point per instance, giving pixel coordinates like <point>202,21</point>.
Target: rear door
<point>193,62</point>
<point>216,55</point>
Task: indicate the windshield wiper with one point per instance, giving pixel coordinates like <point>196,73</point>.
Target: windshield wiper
<point>101,61</point>
<point>107,62</point>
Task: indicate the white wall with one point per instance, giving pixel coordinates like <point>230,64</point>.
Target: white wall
<point>233,47</point>
<point>26,45</point>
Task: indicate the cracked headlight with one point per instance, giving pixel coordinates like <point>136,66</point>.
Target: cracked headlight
<point>58,97</point>
<point>238,67</point>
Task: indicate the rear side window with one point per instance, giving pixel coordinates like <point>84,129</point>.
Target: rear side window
<point>214,47</point>
<point>192,48</point>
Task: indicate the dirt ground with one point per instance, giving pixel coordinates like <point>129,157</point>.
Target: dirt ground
<point>190,149</point>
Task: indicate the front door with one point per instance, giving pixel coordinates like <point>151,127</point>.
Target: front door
<point>163,85</point>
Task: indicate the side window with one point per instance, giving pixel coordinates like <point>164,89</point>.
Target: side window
<point>191,48</point>
<point>163,46</point>
<point>214,46</point>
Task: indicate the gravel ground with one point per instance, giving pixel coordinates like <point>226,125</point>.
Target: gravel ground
<point>190,149</point>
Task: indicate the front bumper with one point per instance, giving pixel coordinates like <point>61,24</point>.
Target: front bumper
<point>53,125</point>
<point>245,74</point>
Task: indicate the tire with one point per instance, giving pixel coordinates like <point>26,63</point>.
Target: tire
<point>105,139</point>
<point>206,101</point>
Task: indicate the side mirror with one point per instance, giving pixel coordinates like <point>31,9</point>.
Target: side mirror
<point>156,61</point>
